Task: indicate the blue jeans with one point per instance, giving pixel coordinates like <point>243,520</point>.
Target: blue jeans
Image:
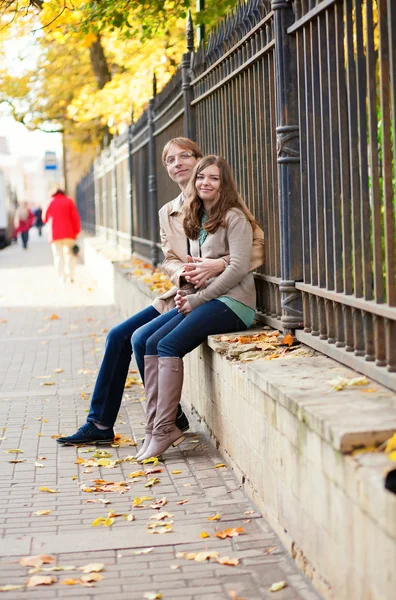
<point>109,386</point>
<point>174,334</point>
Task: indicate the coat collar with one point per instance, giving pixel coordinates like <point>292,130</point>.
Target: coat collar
<point>176,205</point>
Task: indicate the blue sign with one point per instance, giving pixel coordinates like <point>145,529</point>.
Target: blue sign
<point>50,162</point>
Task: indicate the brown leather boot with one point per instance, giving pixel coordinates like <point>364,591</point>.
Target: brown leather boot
<point>165,432</point>
<point>151,390</point>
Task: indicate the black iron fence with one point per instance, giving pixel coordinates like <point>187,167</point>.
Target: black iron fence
<point>85,200</point>
<point>300,97</point>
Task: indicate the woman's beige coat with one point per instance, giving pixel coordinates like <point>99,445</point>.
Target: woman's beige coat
<point>175,249</point>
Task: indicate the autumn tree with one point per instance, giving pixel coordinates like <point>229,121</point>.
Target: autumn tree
<point>95,61</point>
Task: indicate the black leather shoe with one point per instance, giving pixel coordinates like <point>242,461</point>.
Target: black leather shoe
<point>181,420</point>
<point>88,434</point>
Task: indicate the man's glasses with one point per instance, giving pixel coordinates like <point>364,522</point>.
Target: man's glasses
<point>183,156</point>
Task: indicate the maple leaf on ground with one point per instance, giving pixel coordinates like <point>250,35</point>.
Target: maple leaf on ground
<point>229,533</point>
<point>36,560</point>
<point>229,562</point>
<point>92,568</point>
<point>40,580</point>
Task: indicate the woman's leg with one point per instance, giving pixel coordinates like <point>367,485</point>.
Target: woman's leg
<point>141,335</point>
<point>211,318</point>
<point>110,383</point>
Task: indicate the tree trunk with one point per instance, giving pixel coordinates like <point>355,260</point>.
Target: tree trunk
<point>99,63</point>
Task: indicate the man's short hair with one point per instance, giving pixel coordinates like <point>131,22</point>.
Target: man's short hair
<point>184,143</point>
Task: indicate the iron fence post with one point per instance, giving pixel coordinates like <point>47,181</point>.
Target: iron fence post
<point>188,93</point>
<point>288,158</point>
<point>114,195</point>
<point>130,185</point>
<point>152,181</point>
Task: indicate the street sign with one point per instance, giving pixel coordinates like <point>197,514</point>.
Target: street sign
<point>50,162</point>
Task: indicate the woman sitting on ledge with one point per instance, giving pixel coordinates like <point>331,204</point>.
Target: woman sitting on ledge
<point>217,223</point>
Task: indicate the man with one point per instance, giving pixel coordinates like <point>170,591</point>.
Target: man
<point>179,158</point>
<point>64,222</point>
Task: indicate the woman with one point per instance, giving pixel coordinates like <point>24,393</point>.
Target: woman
<point>23,221</point>
<point>217,223</point>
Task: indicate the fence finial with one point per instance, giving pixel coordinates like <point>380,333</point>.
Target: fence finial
<point>154,84</point>
<point>190,33</point>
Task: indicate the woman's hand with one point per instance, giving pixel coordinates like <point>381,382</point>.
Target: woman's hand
<point>202,269</point>
<point>182,304</point>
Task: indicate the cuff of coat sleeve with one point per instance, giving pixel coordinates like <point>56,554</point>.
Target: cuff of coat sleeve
<point>175,279</point>
<point>194,300</point>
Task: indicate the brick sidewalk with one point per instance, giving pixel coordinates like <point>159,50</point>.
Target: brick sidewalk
<point>47,371</point>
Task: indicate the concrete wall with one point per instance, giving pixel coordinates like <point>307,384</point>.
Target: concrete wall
<point>286,432</point>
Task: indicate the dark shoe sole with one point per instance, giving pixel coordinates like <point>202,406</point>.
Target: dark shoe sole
<point>185,428</point>
<point>86,443</point>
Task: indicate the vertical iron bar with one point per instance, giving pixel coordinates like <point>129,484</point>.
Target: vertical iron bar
<point>130,186</point>
<point>288,165</point>
<point>152,183</point>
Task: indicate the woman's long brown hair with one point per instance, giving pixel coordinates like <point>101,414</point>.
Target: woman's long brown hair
<point>229,197</point>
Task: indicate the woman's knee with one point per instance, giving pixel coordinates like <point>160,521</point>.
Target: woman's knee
<point>138,341</point>
<point>166,348</point>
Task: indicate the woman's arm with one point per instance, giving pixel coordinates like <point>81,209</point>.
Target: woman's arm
<point>240,237</point>
<point>175,268</point>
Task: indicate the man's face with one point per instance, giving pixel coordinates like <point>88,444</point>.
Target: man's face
<point>180,163</point>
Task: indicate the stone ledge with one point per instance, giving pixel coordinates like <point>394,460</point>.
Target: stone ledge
<point>284,430</point>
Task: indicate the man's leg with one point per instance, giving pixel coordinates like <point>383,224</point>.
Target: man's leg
<point>69,259</point>
<point>110,383</point>
<point>57,253</point>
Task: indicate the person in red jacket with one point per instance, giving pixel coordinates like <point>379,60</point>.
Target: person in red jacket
<point>64,226</point>
<point>23,221</point>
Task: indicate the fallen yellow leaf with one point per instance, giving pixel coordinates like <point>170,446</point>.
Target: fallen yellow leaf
<point>92,577</point>
<point>10,588</point>
<point>92,568</point>
<point>391,444</point>
<point>41,513</point>
<point>16,450</point>
<point>176,472</point>
<point>204,535</point>
<point>40,580</point>
<point>136,474</point>
<point>279,585</point>
<point>219,466</point>
<point>152,481</point>
<point>288,340</point>
<point>214,518</point>
<point>36,560</point>
<point>43,488</point>
<point>70,581</point>
<point>152,596</point>
<point>229,562</point>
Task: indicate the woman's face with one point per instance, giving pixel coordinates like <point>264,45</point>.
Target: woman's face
<point>208,182</point>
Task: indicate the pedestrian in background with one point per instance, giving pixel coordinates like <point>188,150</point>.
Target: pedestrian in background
<point>38,213</point>
<point>23,221</point>
<point>64,226</point>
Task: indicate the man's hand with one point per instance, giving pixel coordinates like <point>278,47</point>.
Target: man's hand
<point>198,270</point>
<point>182,304</point>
